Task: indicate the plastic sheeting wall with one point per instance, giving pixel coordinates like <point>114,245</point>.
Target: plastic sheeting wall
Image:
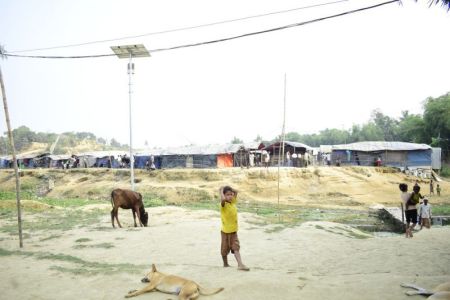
<point>436,160</point>
<point>205,161</point>
<point>419,158</point>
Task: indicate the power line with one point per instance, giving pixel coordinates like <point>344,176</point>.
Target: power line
<point>180,29</point>
<point>214,41</point>
<point>274,29</point>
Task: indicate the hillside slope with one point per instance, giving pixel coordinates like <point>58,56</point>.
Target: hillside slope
<point>328,187</point>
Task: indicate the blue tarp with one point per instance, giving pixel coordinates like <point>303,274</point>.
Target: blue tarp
<point>4,163</point>
<point>140,161</point>
<point>419,158</point>
<point>107,162</point>
<point>205,161</point>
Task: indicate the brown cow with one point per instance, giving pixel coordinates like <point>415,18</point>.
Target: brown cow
<point>127,199</point>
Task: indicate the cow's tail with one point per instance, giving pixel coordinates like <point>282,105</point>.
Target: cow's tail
<point>112,199</point>
<point>204,292</point>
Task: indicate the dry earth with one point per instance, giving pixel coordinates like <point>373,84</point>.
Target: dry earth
<point>327,187</point>
<point>73,253</point>
<point>315,260</point>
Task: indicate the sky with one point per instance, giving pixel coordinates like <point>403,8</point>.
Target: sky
<point>337,71</point>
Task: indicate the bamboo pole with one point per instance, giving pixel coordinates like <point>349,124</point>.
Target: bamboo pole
<point>13,149</point>
<point>281,155</point>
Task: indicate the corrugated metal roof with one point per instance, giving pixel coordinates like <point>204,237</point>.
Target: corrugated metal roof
<point>381,146</point>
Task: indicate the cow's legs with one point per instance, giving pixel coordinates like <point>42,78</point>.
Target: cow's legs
<point>112,218</point>
<point>116,214</point>
<point>133,211</point>
<point>138,212</point>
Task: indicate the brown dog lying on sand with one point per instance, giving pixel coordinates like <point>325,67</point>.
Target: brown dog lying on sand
<point>185,289</point>
<point>440,292</point>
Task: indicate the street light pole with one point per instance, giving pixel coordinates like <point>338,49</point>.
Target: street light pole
<point>130,74</point>
<point>130,51</point>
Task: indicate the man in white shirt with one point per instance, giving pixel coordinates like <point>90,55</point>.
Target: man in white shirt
<point>425,214</point>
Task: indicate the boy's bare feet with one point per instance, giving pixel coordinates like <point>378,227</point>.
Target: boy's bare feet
<point>243,268</point>
<point>226,266</point>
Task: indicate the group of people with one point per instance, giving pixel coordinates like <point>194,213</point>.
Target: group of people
<point>412,215</point>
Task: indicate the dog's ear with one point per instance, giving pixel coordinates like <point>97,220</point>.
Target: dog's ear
<point>154,268</point>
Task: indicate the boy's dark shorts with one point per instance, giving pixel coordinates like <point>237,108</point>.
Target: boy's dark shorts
<point>411,216</point>
<point>230,242</point>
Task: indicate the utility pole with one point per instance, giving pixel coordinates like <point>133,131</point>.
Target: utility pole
<point>130,51</point>
<point>13,149</point>
<point>281,147</point>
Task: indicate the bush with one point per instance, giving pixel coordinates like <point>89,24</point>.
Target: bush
<point>445,172</point>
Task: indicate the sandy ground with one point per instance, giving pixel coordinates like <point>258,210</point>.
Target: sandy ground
<point>316,260</point>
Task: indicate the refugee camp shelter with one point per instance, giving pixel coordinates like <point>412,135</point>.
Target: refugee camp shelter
<point>393,154</point>
<point>209,156</point>
<point>241,157</point>
<point>299,149</point>
<point>101,159</point>
<point>31,160</point>
<point>56,161</point>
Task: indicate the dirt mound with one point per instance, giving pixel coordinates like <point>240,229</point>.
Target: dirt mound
<point>332,187</point>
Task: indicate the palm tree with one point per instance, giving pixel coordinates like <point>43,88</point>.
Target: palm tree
<point>444,3</point>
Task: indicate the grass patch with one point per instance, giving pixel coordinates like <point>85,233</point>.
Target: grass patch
<point>102,245</point>
<point>51,237</point>
<point>274,229</point>
<point>82,267</point>
<point>441,210</point>
<point>445,171</point>
<point>83,240</point>
<point>61,220</point>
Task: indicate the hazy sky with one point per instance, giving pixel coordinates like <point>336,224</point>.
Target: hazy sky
<point>338,70</point>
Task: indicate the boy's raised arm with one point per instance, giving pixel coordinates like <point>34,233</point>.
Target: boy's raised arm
<point>222,197</point>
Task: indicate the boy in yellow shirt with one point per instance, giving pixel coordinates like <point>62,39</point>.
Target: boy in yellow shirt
<point>228,213</point>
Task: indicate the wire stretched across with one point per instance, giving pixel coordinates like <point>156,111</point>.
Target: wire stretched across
<point>6,54</point>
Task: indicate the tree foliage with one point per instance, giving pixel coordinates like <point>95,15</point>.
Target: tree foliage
<point>24,138</point>
<point>433,128</point>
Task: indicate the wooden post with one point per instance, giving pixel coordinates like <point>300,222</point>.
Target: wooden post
<point>13,149</point>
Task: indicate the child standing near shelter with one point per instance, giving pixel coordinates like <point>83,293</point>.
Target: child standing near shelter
<point>410,210</point>
<point>228,213</point>
<point>425,214</point>
<point>438,190</point>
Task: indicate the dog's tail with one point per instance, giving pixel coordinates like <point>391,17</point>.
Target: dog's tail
<point>204,292</point>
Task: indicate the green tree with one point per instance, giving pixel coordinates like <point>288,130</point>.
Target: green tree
<point>411,128</point>
<point>236,140</point>
<point>258,138</point>
<point>115,144</point>
<point>386,124</point>
<point>437,121</point>
<point>23,137</point>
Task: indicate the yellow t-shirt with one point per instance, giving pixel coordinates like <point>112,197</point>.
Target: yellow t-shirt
<point>228,213</point>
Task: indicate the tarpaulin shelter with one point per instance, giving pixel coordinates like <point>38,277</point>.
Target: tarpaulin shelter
<point>394,154</point>
<point>291,147</point>
<point>100,159</point>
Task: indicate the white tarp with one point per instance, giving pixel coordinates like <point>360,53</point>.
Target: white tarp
<point>381,146</point>
<point>436,163</point>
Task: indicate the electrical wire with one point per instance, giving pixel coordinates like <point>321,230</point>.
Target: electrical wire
<point>214,41</point>
<point>179,29</point>
<point>274,29</point>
